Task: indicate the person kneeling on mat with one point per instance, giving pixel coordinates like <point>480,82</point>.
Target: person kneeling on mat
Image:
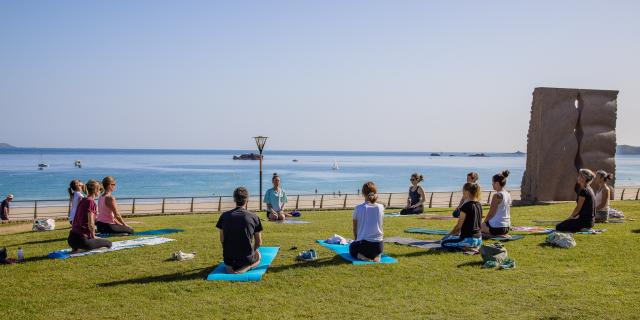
<point>466,233</point>
<point>109,219</point>
<point>240,235</point>
<point>367,226</point>
<point>83,231</point>
<point>498,220</point>
<point>276,199</point>
<point>583,215</point>
<point>415,202</point>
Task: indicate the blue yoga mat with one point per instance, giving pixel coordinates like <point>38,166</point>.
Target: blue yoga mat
<point>255,274</point>
<point>156,232</point>
<point>343,251</point>
<point>427,231</point>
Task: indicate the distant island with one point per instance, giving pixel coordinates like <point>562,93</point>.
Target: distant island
<point>6,146</point>
<point>627,149</point>
<point>247,156</point>
<point>478,155</point>
<point>435,154</point>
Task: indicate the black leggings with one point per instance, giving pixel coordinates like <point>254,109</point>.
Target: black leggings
<point>417,210</point>
<point>366,248</point>
<point>573,225</point>
<point>112,228</point>
<point>77,241</point>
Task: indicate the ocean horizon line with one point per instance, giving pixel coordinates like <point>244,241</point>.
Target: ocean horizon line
<point>276,151</point>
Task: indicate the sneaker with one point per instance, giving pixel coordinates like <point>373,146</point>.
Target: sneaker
<point>508,263</point>
<point>309,255</point>
<point>490,264</point>
<point>182,256</point>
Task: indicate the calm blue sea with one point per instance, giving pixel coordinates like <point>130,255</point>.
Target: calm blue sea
<point>143,173</point>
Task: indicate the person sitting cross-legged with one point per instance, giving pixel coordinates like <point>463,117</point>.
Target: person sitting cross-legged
<point>466,234</point>
<point>240,235</point>
<point>276,199</point>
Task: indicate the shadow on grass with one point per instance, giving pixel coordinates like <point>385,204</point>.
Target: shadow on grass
<point>334,260</point>
<point>470,264</point>
<point>636,231</point>
<point>195,274</point>
<point>42,241</point>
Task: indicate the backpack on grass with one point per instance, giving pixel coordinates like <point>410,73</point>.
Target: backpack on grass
<point>496,253</point>
<point>44,225</point>
<point>561,239</point>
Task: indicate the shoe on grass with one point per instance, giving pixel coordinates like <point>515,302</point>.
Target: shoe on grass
<point>309,255</point>
<point>508,263</point>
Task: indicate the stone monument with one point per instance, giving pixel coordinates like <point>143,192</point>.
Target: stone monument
<point>569,129</point>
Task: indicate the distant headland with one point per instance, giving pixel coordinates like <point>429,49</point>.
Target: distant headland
<point>627,149</point>
<point>6,146</point>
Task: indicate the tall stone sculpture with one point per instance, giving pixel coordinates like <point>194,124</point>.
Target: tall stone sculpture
<point>569,129</point>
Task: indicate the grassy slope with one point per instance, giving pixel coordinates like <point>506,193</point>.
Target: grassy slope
<point>596,279</point>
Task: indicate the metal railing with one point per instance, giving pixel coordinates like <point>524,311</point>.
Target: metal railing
<point>59,209</point>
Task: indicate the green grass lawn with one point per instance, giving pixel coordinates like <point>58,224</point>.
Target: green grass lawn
<point>597,279</point>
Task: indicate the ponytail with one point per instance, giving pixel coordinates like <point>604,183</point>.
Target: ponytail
<point>418,177</point>
<point>604,175</point>
<point>501,178</point>
<point>370,192</point>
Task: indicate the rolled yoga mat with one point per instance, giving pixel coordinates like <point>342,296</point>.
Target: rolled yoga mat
<point>343,251</point>
<point>255,274</point>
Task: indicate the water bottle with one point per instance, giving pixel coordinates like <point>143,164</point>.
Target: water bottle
<point>20,254</point>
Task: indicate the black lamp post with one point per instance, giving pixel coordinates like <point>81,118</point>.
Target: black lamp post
<point>260,141</point>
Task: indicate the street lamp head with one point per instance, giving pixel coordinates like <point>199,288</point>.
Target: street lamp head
<point>260,141</point>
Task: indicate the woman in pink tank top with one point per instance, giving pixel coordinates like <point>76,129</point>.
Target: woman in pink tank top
<point>109,219</point>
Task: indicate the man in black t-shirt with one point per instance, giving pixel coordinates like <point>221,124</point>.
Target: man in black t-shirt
<point>240,235</point>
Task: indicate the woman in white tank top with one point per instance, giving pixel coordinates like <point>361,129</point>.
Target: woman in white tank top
<point>603,194</point>
<point>498,220</point>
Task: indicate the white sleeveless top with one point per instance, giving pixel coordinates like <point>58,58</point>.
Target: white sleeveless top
<point>599,201</point>
<point>502,218</point>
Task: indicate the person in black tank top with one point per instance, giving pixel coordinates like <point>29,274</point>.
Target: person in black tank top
<point>466,234</point>
<point>583,215</point>
<point>415,202</point>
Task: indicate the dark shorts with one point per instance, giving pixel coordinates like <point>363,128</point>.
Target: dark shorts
<point>112,228</point>
<point>497,231</point>
<point>239,263</point>
<point>368,249</point>
<point>416,210</point>
<point>78,241</point>
<point>573,225</point>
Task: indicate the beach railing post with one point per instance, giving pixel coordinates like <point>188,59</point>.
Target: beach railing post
<point>622,195</point>
<point>163,205</point>
<point>297,201</point>
<point>321,200</point>
<point>191,209</point>
<point>133,206</point>
<point>389,201</point>
<point>489,198</point>
<point>344,205</point>
<point>637,193</point>
<point>451,200</point>
<point>431,200</point>
<point>219,203</point>
<point>35,210</point>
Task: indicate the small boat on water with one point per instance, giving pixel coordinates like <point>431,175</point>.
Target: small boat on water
<point>335,165</point>
<point>295,160</point>
<point>247,156</point>
<point>42,164</point>
<point>78,164</point>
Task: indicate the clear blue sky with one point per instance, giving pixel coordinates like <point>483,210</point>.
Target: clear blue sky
<point>324,75</point>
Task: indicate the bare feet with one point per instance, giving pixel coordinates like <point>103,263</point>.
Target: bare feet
<point>363,258</point>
